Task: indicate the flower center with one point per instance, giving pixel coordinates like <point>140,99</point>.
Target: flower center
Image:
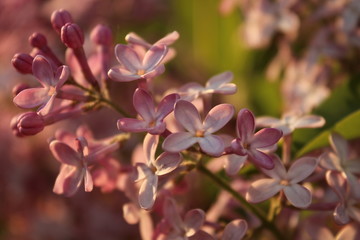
<point>199,133</point>
<point>284,182</point>
<point>141,72</point>
<point>152,123</point>
<point>52,91</point>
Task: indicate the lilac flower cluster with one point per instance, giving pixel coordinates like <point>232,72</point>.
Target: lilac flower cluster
<point>179,135</point>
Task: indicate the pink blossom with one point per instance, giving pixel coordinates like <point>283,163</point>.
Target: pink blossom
<point>149,172</point>
<point>133,66</point>
<point>44,96</point>
<point>339,161</point>
<point>235,230</point>
<point>152,118</point>
<point>249,144</point>
<point>219,83</point>
<point>291,121</point>
<point>199,132</point>
<point>286,181</point>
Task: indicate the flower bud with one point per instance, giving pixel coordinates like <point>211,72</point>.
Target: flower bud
<point>22,62</point>
<point>19,87</point>
<point>72,35</point>
<point>101,35</point>
<point>27,124</point>
<point>59,18</point>
<point>38,40</point>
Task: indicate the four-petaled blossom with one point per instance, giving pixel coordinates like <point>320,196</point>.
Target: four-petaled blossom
<point>187,228</point>
<point>199,132</point>
<point>339,161</point>
<point>250,144</point>
<point>286,181</point>
<point>74,167</point>
<point>152,118</point>
<point>44,96</point>
<point>219,83</point>
<point>149,172</point>
<point>134,67</point>
<point>291,121</point>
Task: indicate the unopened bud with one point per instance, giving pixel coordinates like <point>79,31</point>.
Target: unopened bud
<point>27,124</point>
<point>101,35</point>
<point>22,62</point>
<point>72,35</point>
<point>59,18</point>
<point>19,87</point>
<point>38,40</point>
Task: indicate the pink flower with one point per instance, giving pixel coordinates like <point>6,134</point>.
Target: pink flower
<point>291,121</point>
<point>339,161</point>
<point>219,83</point>
<point>199,132</point>
<point>250,144</point>
<point>74,167</point>
<point>235,230</point>
<point>133,66</point>
<point>152,118</point>
<point>44,96</point>
<point>286,181</point>
<point>149,172</point>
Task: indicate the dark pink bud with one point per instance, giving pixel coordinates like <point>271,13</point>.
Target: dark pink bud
<point>29,123</point>
<point>101,35</point>
<point>22,62</point>
<point>72,35</point>
<point>59,18</point>
<point>38,40</point>
<point>18,88</point>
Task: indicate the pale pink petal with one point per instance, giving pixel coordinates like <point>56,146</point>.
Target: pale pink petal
<point>354,184</point>
<point>133,38</point>
<point>150,144</point>
<point>131,213</point>
<point>157,129</point>
<point>267,121</point>
<point>65,172</point>
<point>234,163</point>
<point>154,56</point>
<point>338,183</point>
<point>188,116</point>
<point>154,72</point>
<point>298,195</point>
<point>340,214</point>
<point>88,182</point>
<point>279,171</point>
<point>142,170</point>
<point>217,117</point>
<point>235,230</point>
<point>340,146</point>
<point>190,91</point>
<point>147,192</point>
<point>309,121</point>
<point>177,142</point>
<point>266,137</point>
<point>166,163</point>
<point>45,109</point>
<point>171,214</point>
<point>227,89</point>
<point>330,161</point>
<point>193,220</point>
<point>261,159</point>
<point>144,104</point>
<point>168,39</point>
<point>301,169</point>
<point>64,154</point>
<point>219,79</point>
<point>201,235</point>
<point>349,232</point>
<point>245,123</point>
<point>31,97</point>
<point>122,75</point>
<point>211,144</point>
<point>146,226</point>
<point>128,58</point>
<point>132,125</point>
<point>42,70</point>
<point>166,106</point>
<point>263,189</point>
<point>69,182</point>
<point>62,75</point>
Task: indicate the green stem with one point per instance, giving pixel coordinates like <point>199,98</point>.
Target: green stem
<point>258,212</point>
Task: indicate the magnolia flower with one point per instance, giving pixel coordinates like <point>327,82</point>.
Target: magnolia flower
<point>152,118</point>
<point>199,132</point>
<point>149,172</point>
<point>219,83</point>
<point>186,228</point>
<point>249,144</point>
<point>44,96</point>
<point>286,181</point>
<point>133,66</point>
<point>348,206</point>
<point>291,121</point>
<point>339,161</point>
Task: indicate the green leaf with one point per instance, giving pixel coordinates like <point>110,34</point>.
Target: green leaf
<point>348,127</point>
